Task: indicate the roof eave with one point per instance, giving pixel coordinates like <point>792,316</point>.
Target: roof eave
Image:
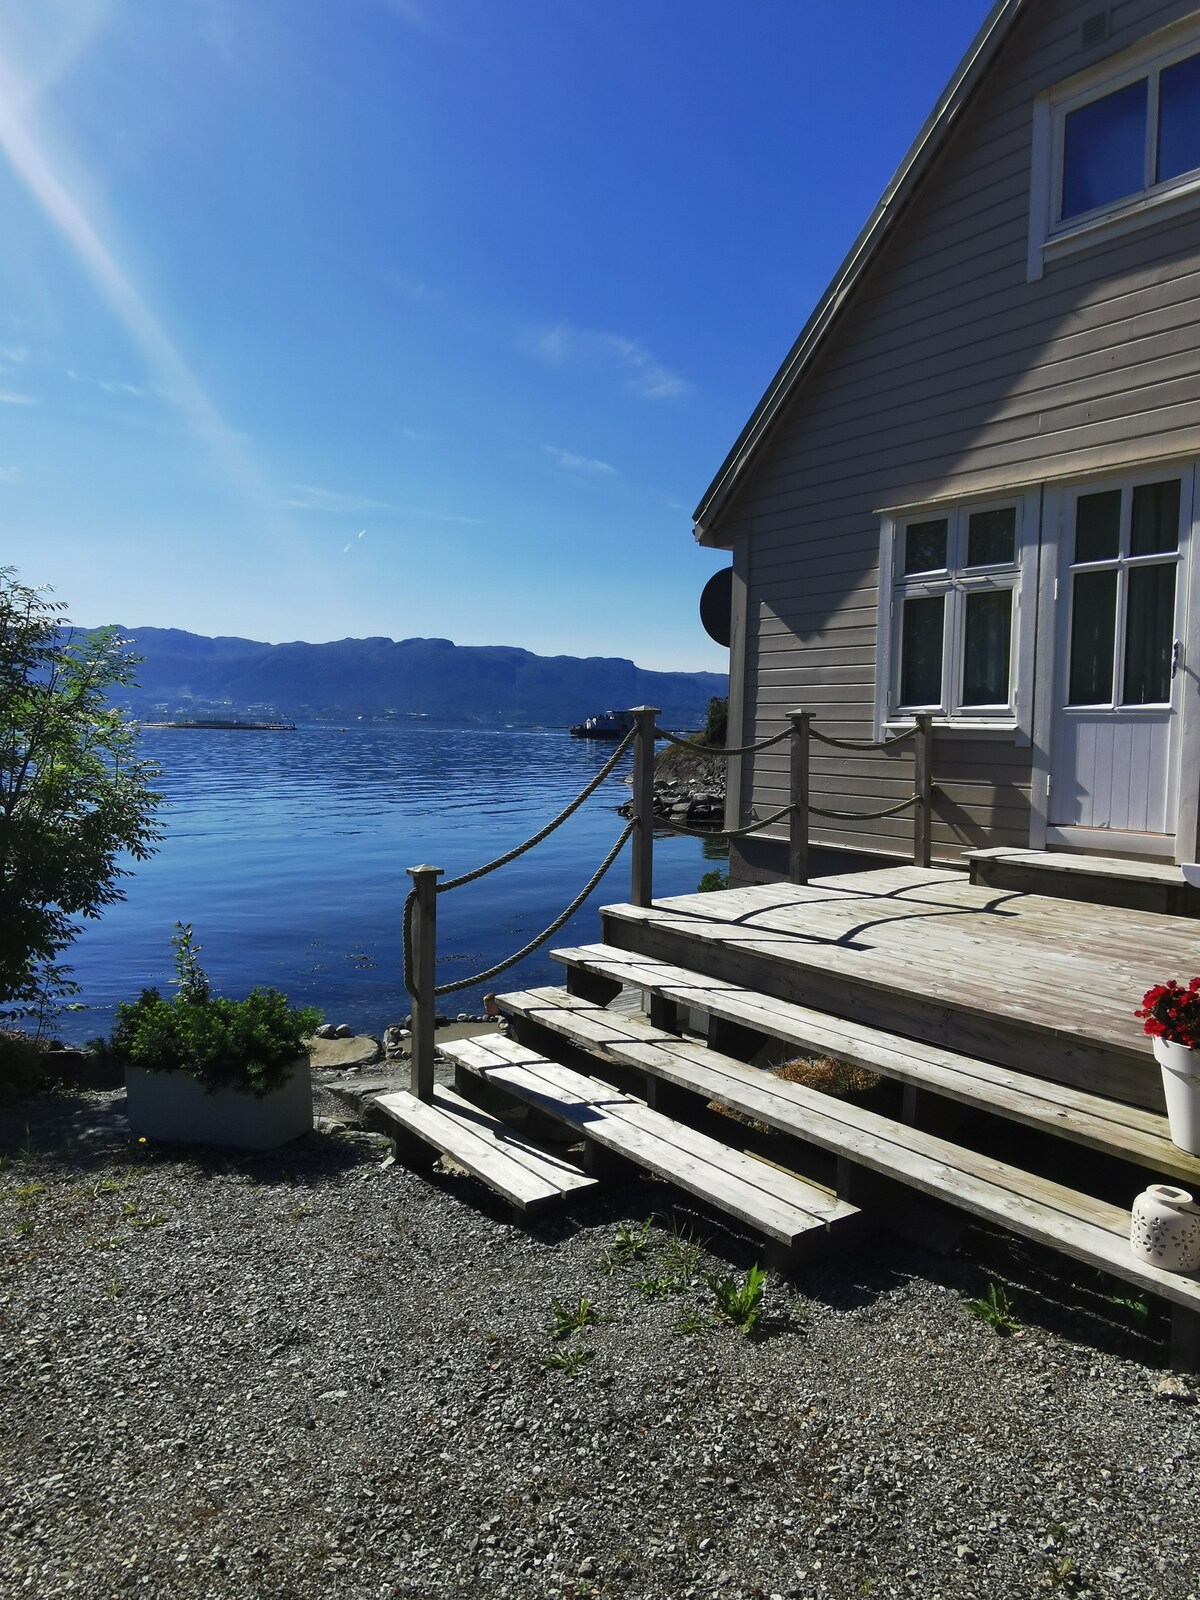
<point>907,175</point>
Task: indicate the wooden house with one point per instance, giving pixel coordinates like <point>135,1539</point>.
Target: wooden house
<point>970,488</point>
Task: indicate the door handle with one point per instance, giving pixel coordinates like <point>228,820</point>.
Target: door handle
<point>1176,651</point>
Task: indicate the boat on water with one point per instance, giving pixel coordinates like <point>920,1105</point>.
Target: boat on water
<point>607,725</point>
<point>225,722</point>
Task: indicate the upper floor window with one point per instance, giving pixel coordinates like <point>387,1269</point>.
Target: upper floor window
<point>1117,146</point>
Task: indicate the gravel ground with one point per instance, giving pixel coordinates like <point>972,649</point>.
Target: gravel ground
<point>314,1374</point>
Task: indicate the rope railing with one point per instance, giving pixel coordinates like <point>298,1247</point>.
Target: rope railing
<point>526,949</point>
<point>543,833</point>
<point>720,749</point>
<point>864,744</point>
<point>865,816</point>
<point>420,906</point>
<point>724,833</point>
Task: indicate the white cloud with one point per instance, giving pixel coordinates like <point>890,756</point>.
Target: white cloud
<point>58,185</point>
<point>644,374</point>
<point>308,497</point>
<point>8,399</point>
<point>9,474</point>
<point>14,354</point>
<point>124,388</point>
<point>574,463</point>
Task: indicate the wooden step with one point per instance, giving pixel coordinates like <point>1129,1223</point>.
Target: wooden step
<point>1090,1230</point>
<point>528,1177</point>
<point>1128,1132</point>
<point>785,1208</point>
<point>1099,880</point>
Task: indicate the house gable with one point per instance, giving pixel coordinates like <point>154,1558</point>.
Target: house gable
<point>948,378</point>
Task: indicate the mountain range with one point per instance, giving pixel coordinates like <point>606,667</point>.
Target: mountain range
<point>186,674</point>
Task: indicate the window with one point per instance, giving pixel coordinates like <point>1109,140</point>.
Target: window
<point>1123,570</point>
<point>1116,147</point>
<point>950,637</point>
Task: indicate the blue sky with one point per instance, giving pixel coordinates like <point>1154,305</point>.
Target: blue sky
<point>327,318</point>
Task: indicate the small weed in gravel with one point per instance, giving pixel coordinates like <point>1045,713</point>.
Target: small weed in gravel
<point>660,1286</point>
<point>692,1322</point>
<point>631,1244</point>
<point>569,1362</point>
<point>569,1320</point>
<point>739,1303</point>
<point>995,1309</point>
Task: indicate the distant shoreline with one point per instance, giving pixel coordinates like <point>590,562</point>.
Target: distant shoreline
<point>224,722</point>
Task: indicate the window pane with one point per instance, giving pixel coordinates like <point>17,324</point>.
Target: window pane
<point>992,537</point>
<point>1178,119</point>
<point>1093,632</point>
<point>1149,635</point>
<point>921,651</point>
<point>1155,518</point>
<point>1104,150</point>
<point>925,546</point>
<point>1098,526</point>
<point>987,647</point>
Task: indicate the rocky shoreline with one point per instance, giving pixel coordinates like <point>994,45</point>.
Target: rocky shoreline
<point>689,787</point>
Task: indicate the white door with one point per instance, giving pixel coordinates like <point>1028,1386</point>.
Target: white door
<point>1121,598</point>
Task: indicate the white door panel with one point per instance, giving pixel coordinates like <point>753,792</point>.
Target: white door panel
<point>1122,614</point>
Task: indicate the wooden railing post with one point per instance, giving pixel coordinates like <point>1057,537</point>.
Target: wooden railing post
<point>424,952</point>
<point>923,784</point>
<point>642,890</point>
<point>798,837</point>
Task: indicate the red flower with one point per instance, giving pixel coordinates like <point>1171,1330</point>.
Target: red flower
<point>1171,1012</point>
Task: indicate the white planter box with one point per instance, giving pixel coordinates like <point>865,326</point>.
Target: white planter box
<point>174,1107</point>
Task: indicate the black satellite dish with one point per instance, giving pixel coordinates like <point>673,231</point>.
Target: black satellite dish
<point>716,606</point>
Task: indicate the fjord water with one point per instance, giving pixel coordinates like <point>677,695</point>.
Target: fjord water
<point>287,853</point>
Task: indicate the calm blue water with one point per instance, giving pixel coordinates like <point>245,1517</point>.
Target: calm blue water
<point>287,853</point>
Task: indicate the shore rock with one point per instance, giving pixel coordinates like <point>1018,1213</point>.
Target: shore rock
<point>338,1054</point>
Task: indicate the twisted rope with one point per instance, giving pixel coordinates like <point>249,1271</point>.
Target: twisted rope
<point>721,749</point>
<point>528,949</point>
<point>859,744</point>
<point>724,833</point>
<point>865,816</point>
<point>543,833</point>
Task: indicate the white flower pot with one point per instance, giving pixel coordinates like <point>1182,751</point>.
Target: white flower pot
<point>1165,1228</point>
<point>1181,1086</point>
<point>173,1107</point>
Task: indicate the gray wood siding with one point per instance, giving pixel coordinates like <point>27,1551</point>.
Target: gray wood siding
<point>950,374</point>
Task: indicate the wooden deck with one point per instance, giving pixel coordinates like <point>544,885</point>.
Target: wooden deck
<point>1043,985</point>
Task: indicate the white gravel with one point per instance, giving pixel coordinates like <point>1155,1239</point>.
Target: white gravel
<point>313,1376</point>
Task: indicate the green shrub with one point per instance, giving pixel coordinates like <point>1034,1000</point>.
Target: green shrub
<point>716,722</point>
<point>247,1044</point>
<point>716,879</point>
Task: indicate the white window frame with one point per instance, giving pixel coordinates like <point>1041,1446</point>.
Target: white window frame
<point>956,582</point>
<point>1050,238</point>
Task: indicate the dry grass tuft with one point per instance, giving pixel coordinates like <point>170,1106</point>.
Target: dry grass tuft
<point>828,1075</point>
<point>824,1073</point>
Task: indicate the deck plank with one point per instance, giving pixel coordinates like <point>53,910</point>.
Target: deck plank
<point>527,1176</point>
